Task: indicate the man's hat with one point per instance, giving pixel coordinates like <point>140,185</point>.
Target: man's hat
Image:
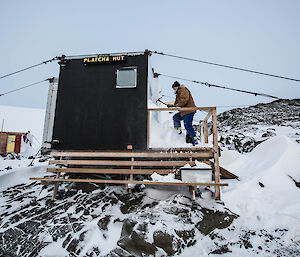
<point>176,84</point>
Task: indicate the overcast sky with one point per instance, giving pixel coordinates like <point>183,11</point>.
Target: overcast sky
<point>257,34</point>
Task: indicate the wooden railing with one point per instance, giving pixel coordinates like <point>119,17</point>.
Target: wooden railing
<point>211,113</point>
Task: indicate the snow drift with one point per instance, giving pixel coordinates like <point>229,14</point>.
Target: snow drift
<point>266,195</point>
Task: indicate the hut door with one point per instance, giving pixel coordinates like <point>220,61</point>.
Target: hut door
<point>10,144</point>
<point>18,144</point>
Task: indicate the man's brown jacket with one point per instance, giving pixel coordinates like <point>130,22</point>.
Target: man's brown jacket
<point>184,99</point>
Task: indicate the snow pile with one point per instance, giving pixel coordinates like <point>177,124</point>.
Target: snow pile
<point>164,178</point>
<point>266,195</point>
<point>162,132</point>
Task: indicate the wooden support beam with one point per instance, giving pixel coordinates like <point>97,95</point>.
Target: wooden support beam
<point>205,127</point>
<point>205,131</point>
<point>192,192</point>
<point>208,116</point>
<point>127,181</point>
<point>55,189</point>
<point>225,173</point>
<point>131,175</point>
<point>216,155</point>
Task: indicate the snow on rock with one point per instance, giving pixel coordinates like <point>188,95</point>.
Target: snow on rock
<point>243,129</point>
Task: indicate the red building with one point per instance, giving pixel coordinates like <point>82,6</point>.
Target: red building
<point>10,142</point>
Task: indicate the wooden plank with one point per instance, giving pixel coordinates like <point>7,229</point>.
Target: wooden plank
<point>216,155</point>
<point>183,109</point>
<point>110,171</point>
<point>225,173</point>
<point>201,153</point>
<point>184,149</point>
<point>122,163</point>
<point>130,182</point>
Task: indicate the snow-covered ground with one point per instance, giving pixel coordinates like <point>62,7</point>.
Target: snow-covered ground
<point>259,215</point>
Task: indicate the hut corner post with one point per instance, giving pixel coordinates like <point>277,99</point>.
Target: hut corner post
<point>216,154</point>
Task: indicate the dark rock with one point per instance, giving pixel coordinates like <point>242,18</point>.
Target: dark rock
<point>86,187</point>
<point>167,242</point>
<point>72,246</point>
<point>103,223</point>
<point>221,250</point>
<point>129,201</point>
<point>137,245</point>
<point>214,219</point>
<point>261,184</point>
<point>186,235</point>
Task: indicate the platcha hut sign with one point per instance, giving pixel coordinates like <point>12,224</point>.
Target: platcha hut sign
<point>104,59</point>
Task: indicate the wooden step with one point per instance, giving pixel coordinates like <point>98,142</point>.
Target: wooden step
<point>128,182</point>
<point>207,153</point>
<point>123,163</point>
<point>110,171</point>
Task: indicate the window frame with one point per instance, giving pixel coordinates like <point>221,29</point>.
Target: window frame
<point>127,68</point>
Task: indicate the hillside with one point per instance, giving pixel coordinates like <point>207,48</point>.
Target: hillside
<point>258,215</point>
<point>242,129</point>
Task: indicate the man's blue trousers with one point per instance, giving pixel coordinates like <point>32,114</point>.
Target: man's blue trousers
<point>187,120</point>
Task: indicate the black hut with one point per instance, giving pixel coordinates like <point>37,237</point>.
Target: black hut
<point>102,102</point>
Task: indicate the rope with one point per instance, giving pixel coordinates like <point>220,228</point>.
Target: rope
<point>45,62</point>
<point>227,66</point>
<point>212,85</point>
<point>33,84</point>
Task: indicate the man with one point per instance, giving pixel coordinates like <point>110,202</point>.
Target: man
<point>184,99</point>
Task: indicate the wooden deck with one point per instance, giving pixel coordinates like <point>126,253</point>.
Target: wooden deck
<point>130,162</point>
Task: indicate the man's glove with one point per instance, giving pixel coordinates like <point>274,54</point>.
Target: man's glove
<point>170,105</point>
